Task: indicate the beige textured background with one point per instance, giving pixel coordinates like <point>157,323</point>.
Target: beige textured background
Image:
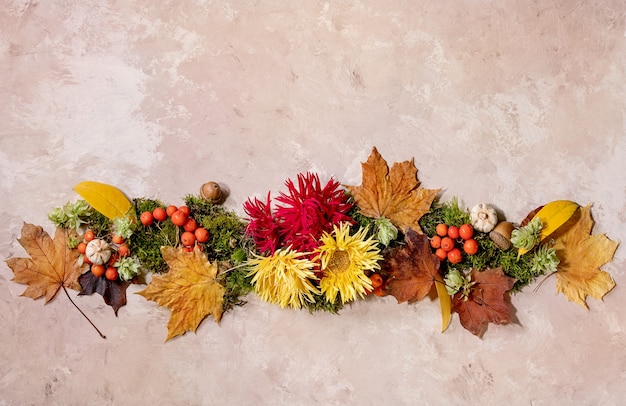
<point>514,103</point>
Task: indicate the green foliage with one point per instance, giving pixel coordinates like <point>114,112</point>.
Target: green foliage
<point>228,244</point>
<point>227,241</point>
<point>372,227</point>
<point>71,215</point>
<point>450,213</point>
<point>143,204</point>
<point>98,223</point>
<point>237,283</point>
<point>146,242</point>
<point>321,303</point>
<point>488,256</point>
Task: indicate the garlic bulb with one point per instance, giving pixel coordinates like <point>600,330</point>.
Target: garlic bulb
<point>98,251</point>
<point>483,217</point>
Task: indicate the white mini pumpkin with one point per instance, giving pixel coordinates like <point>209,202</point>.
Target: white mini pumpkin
<point>98,251</point>
<point>483,217</point>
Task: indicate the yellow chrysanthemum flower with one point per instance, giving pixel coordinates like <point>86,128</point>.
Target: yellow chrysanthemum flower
<point>284,278</point>
<point>344,259</point>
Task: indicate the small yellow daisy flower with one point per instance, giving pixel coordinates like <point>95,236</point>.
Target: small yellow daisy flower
<point>344,259</point>
<point>284,278</point>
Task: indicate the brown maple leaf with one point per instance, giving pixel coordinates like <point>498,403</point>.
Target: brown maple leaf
<point>113,292</point>
<point>581,255</point>
<point>487,301</point>
<point>394,194</point>
<point>51,265</point>
<point>189,289</point>
<point>412,269</point>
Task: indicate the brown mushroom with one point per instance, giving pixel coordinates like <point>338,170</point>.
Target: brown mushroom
<point>501,235</point>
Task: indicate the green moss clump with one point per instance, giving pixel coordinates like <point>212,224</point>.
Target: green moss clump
<point>228,241</point>
<point>450,213</point>
<point>98,223</point>
<point>362,221</point>
<point>488,256</point>
<point>321,303</point>
<point>237,283</point>
<point>146,242</point>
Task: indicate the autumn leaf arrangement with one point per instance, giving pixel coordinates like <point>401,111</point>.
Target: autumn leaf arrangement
<point>315,246</point>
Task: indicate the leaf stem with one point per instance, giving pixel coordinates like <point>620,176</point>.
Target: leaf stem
<point>235,267</point>
<point>542,281</point>
<point>81,312</point>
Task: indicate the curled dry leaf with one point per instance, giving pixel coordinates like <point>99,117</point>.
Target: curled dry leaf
<point>393,194</point>
<point>189,289</point>
<point>581,255</point>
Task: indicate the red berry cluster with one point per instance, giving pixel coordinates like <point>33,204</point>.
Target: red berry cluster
<point>378,283</point>
<point>108,270</point>
<point>179,216</point>
<point>445,242</point>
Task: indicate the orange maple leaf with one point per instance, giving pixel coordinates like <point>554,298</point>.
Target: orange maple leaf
<point>394,194</point>
<point>51,265</point>
<point>581,255</point>
<point>487,301</point>
<point>189,289</point>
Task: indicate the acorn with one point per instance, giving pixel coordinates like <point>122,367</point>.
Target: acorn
<point>211,191</point>
<point>501,235</point>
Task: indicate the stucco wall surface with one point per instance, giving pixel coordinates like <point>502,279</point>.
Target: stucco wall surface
<point>514,103</point>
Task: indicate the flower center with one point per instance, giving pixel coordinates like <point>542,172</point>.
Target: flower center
<point>339,262</point>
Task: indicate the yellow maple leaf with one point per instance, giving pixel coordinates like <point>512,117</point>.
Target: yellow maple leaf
<point>189,289</point>
<point>581,255</point>
<point>52,264</point>
<point>394,194</point>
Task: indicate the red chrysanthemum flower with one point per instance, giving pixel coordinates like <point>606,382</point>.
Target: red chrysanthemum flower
<point>262,226</point>
<point>301,217</point>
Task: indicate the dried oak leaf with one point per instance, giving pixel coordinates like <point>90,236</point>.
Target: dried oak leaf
<point>113,292</point>
<point>581,255</point>
<point>189,289</point>
<point>394,194</point>
<point>412,269</point>
<point>51,265</point>
<point>487,302</point>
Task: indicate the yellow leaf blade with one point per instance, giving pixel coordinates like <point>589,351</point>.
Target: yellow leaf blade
<point>445,302</point>
<point>553,215</point>
<point>107,199</point>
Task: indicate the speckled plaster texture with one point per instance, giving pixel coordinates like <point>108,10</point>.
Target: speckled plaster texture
<point>514,103</point>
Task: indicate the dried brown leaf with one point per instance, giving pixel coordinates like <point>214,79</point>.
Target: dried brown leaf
<point>412,269</point>
<point>488,301</point>
<point>51,264</point>
<point>394,194</point>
